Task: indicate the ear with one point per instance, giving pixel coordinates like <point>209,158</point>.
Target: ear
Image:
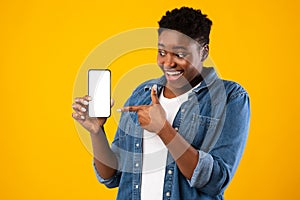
<point>205,51</point>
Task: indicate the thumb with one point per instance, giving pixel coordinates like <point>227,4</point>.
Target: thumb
<point>112,102</point>
<point>154,96</point>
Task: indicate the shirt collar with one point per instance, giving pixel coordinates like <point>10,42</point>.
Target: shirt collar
<point>209,77</point>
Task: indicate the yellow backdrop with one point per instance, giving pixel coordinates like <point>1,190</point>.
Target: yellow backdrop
<point>44,43</point>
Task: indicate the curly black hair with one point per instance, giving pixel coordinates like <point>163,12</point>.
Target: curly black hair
<point>188,21</point>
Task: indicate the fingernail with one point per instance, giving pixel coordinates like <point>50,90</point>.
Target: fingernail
<point>83,109</point>
<point>76,100</point>
<point>155,87</point>
<point>85,102</point>
<point>82,117</point>
<point>119,110</point>
<point>112,102</point>
<point>89,98</point>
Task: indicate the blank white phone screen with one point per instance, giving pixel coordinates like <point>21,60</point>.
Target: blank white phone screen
<point>99,90</point>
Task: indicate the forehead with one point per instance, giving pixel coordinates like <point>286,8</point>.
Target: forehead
<point>171,38</point>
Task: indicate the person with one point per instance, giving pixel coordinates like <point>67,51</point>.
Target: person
<point>180,136</point>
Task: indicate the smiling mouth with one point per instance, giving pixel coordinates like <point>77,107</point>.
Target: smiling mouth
<point>173,75</point>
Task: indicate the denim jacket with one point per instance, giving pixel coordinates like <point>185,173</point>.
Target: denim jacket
<point>214,120</point>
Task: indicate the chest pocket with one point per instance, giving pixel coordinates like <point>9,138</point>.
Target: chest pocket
<point>196,129</point>
<point>127,127</point>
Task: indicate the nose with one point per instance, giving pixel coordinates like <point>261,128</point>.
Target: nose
<point>168,60</point>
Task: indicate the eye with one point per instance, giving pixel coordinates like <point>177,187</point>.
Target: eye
<point>181,55</point>
<point>162,52</point>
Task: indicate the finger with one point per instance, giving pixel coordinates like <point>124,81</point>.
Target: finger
<point>78,117</point>
<point>154,96</point>
<point>88,98</point>
<point>82,100</point>
<point>79,108</point>
<point>130,109</point>
<point>112,102</point>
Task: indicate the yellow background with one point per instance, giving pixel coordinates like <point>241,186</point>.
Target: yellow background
<point>44,43</point>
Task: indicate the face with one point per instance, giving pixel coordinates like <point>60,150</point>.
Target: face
<point>179,57</point>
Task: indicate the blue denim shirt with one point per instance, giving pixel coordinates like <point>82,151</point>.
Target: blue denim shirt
<point>214,120</point>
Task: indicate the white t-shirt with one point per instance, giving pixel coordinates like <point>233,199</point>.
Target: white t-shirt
<point>155,152</point>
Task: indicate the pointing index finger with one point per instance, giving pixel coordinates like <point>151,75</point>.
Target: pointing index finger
<point>129,109</point>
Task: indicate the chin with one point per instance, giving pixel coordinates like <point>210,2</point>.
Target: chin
<point>178,84</point>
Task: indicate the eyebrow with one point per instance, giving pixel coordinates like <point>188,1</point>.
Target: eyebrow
<point>174,48</point>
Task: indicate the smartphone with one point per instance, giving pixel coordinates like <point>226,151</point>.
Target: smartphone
<point>99,88</point>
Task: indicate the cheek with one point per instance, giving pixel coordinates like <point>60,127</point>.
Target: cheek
<point>189,69</point>
<point>160,65</point>
<point>184,63</point>
<point>196,60</point>
<point>187,61</point>
<point>159,61</point>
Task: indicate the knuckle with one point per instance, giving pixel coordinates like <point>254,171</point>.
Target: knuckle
<point>87,98</point>
<point>75,115</point>
<point>74,105</point>
<point>77,99</point>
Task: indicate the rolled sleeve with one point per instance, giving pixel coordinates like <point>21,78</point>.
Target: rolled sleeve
<point>227,152</point>
<point>111,182</point>
<point>216,167</point>
<point>203,170</point>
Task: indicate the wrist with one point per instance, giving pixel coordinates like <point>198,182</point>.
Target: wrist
<point>165,129</point>
<point>97,131</point>
<point>167,133</point>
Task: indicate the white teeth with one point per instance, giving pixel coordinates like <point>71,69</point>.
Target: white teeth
<point>173,73</point>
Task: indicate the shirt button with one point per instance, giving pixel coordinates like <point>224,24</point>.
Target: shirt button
<point>176,129</point>
<point>182,110</point>
<point>170,171</point>
<point>136,164</point>
<point>137,144</point>
<point>168,194</point>
<point>136,186</point>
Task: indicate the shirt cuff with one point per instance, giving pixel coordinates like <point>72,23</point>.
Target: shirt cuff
<point>203,170</point>
<point>102,180</point>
